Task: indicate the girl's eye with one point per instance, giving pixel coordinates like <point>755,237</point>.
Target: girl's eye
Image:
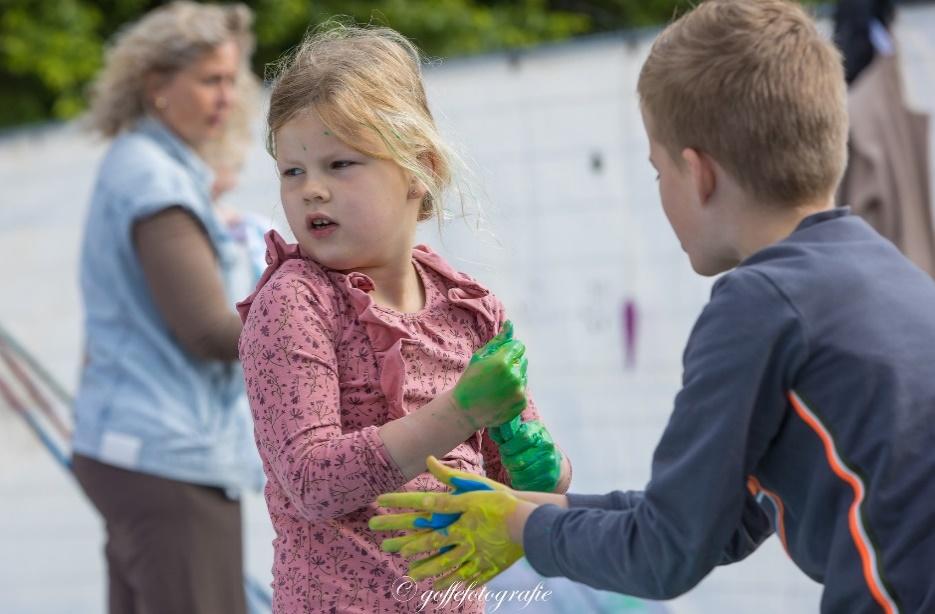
<point>338,164</point>
<point>292,172</point>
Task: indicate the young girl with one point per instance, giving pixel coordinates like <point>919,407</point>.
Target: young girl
<point>364,355</point>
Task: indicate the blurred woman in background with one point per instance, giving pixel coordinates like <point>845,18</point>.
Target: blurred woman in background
<point>163,442</point>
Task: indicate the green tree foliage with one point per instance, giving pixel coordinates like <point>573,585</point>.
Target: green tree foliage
<point>50,49</point>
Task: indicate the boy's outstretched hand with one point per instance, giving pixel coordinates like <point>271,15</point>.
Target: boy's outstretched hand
<point>477,546</point>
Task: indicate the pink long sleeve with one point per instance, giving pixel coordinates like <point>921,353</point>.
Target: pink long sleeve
<point>325,367</point>
<point>290,367</point>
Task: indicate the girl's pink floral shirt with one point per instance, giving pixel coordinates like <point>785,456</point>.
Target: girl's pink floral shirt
<point>325,367</point>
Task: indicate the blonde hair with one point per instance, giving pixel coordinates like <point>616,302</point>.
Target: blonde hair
<point>365,82</point>
<point>753,84</point>
<point>165,40</point>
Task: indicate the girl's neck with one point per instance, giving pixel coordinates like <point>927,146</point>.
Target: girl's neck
<point>397,287</point>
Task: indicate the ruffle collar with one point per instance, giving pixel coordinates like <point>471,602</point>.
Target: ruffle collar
<point>386,337</point>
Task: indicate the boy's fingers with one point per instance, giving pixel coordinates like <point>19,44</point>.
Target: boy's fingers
<point>468,570</point>
<point>440,563</point>
<point>396,522</point>
<point>395,544</point>
<point>425,501</point>
<point>436,521</point>
<point>485,577</point>
<point>474,484</point>
<point>440,471</point>
<point>424,543</point>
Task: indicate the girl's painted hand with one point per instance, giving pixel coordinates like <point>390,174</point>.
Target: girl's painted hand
<point>492,390</point>
<point>530,456</point>
<point>477,546</point>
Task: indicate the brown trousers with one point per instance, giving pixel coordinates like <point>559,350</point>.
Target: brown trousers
<point>172,547</point>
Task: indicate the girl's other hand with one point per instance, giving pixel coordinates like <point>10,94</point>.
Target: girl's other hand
<point>492,390</point>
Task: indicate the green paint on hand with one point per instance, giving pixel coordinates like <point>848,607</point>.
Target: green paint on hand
<point>531,458</point>
<point>492,390</point>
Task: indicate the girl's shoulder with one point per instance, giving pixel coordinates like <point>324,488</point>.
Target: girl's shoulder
<point>292,280</point>
<point>463,291</point>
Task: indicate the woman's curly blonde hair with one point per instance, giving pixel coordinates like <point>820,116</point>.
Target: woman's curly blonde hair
<point>166,40</point>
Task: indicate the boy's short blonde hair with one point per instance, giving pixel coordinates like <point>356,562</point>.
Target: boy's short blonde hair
<point>365,83</point>
<point>757,87</point>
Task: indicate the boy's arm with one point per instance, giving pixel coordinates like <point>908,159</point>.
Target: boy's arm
<point>754,528</point>
<point>739,363</point>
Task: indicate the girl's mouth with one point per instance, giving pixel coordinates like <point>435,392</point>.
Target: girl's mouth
<point>320,225</point>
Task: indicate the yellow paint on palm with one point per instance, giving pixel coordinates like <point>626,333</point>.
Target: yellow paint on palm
<point>482,545</point>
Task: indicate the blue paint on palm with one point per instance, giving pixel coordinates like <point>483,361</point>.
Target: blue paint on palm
<point>440,522</point>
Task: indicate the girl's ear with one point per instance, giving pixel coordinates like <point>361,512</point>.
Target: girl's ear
<point>416,188</point>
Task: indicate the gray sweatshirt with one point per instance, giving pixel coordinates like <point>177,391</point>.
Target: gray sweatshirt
<point>807,409</point>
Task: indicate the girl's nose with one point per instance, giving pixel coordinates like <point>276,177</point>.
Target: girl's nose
<point>316,192</point>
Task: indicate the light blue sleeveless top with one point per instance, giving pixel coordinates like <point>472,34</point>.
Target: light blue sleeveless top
<point>144,403</point>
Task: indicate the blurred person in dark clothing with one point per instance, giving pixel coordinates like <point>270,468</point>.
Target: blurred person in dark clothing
<point>887,180</point>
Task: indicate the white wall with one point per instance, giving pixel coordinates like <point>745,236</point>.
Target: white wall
<point>569,245</point>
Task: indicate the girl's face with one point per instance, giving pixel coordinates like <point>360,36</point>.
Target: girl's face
<point>348,211</point>
<point>195,102</point>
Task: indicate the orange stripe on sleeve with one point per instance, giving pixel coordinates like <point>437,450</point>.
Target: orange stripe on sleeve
<point>868,558</point>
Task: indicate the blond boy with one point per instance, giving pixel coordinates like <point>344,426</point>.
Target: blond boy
<point>808,400</point>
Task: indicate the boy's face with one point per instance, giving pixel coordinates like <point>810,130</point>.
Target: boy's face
<point>683,203</point>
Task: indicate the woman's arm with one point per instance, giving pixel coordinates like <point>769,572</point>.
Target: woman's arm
<point>181,270</point>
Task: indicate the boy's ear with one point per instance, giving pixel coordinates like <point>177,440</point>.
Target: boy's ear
<point>701,169</point>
